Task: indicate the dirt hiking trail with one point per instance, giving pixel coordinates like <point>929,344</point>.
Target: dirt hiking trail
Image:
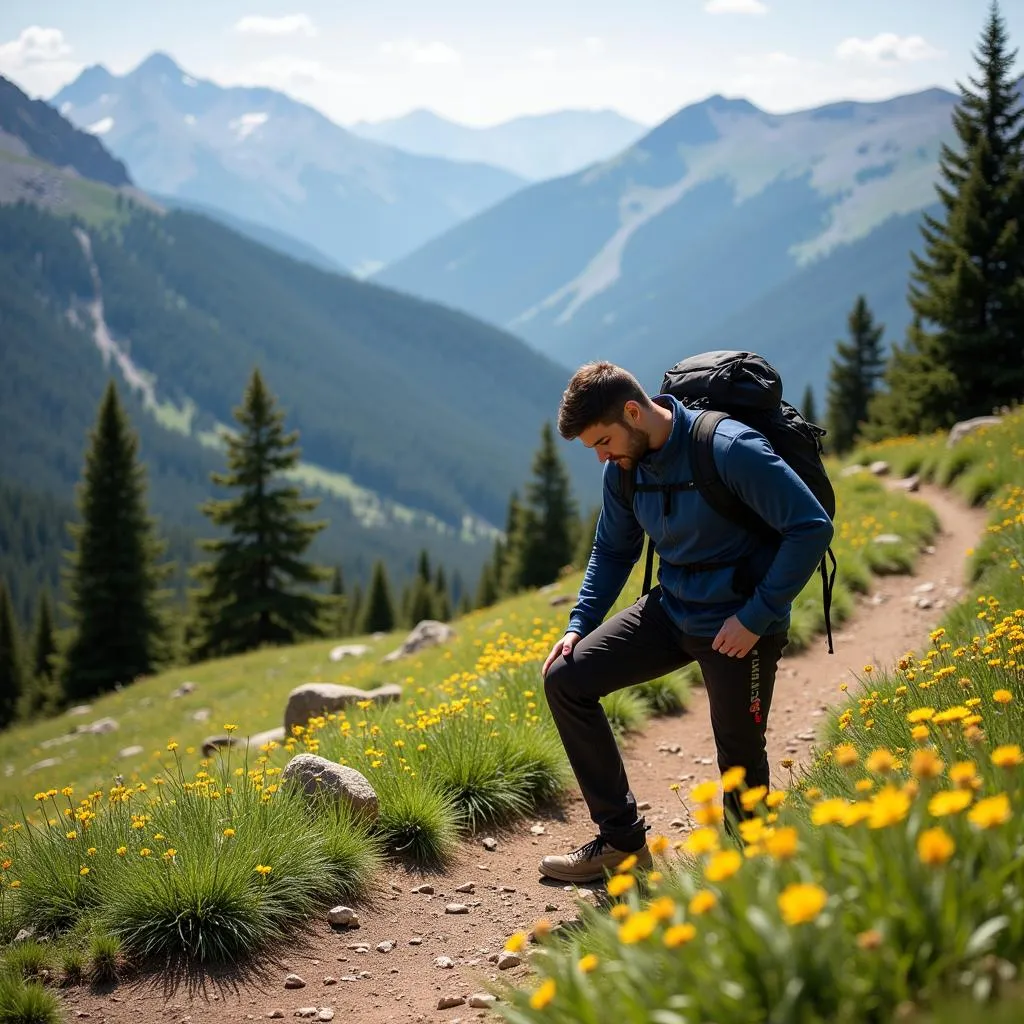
<point>358,976</point>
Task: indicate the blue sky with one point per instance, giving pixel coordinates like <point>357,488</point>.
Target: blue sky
<point>484,62</point>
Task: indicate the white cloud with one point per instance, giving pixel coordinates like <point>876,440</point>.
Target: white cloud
<point>287,25</point>
<point>887,48</point>
<point>415,52</point>
<point>595,46</point>
<point>736,7</point>
<point>542,55</point>
<point>39,60</point>
<point>767,61</point>
<point>35,45</point>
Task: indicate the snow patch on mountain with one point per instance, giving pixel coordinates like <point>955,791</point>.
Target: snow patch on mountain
<point>245,125</point>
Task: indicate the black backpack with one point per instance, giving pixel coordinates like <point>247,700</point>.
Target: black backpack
<point>746,387</point>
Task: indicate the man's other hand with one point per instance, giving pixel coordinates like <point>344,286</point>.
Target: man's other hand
<point>734,639</point>
<point>564,646</point>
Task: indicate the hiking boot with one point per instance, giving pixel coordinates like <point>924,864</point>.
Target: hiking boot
<point>591,862</point>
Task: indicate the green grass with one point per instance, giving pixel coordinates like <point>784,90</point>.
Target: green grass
<point>27,1003</point>
<point>976,467</point>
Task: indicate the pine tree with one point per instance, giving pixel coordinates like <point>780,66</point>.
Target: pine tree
<point>854,375</point>
<point>458,589</point>
<point>41,691</point>
<point>379,612</point>
<point>442,606</point>
<point>809,407</point>
<point>113,577</point>
<point>12,665</point>
<point>44,643</point>
<point>423,567</point>
<point>420,602</point>
<point>968,286</point>
<point>355,611</point>
<point>916,390</point>
<point>487,590</point>
<point>544,538</point>
<point>250,598</point>
<point>339,603</point>
<point>504,557</point>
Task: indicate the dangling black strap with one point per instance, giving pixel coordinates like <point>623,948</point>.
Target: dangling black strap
<point>827,582</point>
<point>666,490</point>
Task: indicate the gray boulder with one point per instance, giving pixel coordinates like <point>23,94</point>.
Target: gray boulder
<point>214,743</point>
<point>853,470</point>
<point>312,699</point>
<point>879,468</point>
<point>316,776</point>
<point>427,633</point>
<point>100,727</point>
<point>964,427</point>
<point>348,651</point>
<point>888,538</point>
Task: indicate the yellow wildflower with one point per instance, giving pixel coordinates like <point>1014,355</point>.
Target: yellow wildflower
<point>846,755</point>
<point>949,801</point>
<point>926,764</point>
<point>1008,756</point>
<point>587,963</point>
<point>702,901</point>
<point>637,928</point>
<point>752,797</point>
<point>1002,696</point>
<point>935,846</point>
<point>543,995</point>
<point>703,793</point>
<point>733,778</point>
<point>618,884</point>
<point>889,806</point>
<point>801,902</point>
<point>880,761</point>
<point>679,935</point>
<point>662,908</point>
<point>992,811</point>
<point>700,841</point>
<point>723,865</point>
<point>782,843</point>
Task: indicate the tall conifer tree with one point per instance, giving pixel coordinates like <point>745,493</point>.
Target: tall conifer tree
<point>967,290</point>
<point>114,576</point>
<point>854,376</point>
<point>257,590</point>
<point>545,533</point>
<point>12,664</point>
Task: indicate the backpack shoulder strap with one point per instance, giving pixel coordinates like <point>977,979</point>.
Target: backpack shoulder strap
<point>710,484</point>
<point>628,482</point>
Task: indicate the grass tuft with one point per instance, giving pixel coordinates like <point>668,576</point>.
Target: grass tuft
<point>26,1003</point>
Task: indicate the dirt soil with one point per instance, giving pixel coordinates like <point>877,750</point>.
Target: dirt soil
<point>345,972</point>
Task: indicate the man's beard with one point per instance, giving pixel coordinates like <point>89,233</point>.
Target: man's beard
<point>638,444</point>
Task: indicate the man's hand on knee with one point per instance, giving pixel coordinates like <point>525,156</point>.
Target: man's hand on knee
<point>564,646</point>
<point>734,639</point>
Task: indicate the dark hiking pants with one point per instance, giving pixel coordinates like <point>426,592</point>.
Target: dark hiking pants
<point>638,644</point>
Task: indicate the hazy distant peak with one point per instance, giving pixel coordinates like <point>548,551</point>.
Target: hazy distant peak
<point>156,64</point>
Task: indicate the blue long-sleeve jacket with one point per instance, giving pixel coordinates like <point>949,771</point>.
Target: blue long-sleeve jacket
<point>698,602</point>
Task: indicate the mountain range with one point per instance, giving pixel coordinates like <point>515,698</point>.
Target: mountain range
<point>723,227</point>
<point>261,156</point>
<point>416,422</point>
<point>534,147</point>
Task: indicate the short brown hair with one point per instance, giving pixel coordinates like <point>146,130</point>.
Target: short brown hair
<point>597,393</point>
